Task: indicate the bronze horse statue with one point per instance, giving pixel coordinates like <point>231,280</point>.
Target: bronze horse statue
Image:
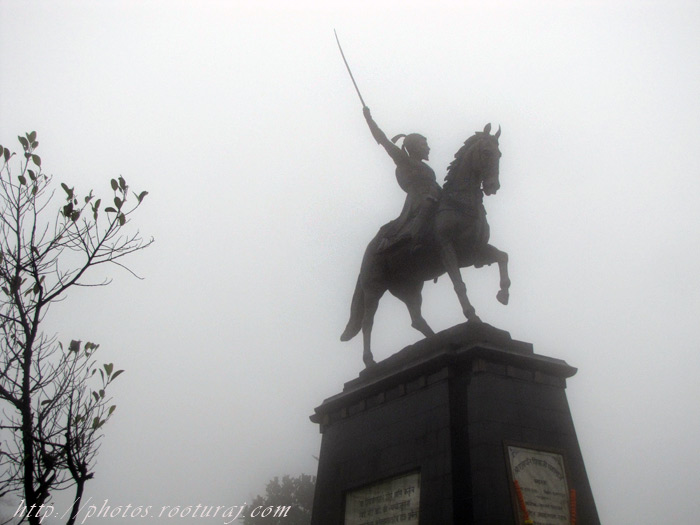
<point>458,236</point>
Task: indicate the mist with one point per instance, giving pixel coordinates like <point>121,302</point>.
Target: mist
<point>265,185</point>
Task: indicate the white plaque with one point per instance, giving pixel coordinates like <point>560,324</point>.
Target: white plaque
<point>396,500</point>
<point>542,479</point>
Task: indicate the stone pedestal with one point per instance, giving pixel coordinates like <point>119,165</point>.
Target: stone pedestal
<point>444,414</point>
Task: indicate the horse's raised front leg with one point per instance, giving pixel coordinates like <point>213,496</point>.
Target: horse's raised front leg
<point>410,294</point>
<point>451,263</point>
<point>490,255</point>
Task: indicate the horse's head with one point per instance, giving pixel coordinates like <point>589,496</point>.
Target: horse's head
<point>476,163</point>
<point>487,158</point>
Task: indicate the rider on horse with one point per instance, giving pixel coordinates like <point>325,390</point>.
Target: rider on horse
<point>416,178</point>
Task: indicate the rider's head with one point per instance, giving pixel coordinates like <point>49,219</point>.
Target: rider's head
<point>416,145</point>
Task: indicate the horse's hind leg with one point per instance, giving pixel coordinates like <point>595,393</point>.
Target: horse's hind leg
<point>490,255</point>
<point>410,294</point>
<point>371,300</point>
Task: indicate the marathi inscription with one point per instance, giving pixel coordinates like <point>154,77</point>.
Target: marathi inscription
<point>543,484</point>
<point>396,500</point>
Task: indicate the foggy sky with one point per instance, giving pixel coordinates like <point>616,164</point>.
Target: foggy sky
<point>265,185</point>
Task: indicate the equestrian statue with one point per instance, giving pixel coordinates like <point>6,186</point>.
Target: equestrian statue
<point>439,230</point>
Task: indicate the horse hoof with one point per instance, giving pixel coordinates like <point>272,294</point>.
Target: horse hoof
<point>368,360</point>
<point>503,296</point>
<point>474,319</point>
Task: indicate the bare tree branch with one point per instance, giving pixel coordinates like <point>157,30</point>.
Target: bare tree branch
<point>53,399</point>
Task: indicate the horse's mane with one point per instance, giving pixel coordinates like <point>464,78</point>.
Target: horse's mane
<point>457,165</point>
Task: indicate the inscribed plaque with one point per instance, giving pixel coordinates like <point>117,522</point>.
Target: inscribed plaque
<point>542,479</point>
<point>396,500</point>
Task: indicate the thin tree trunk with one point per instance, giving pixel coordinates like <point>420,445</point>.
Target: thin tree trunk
<point>79,486</point>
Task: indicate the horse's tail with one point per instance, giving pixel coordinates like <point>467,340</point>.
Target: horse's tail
<point>357,311</point>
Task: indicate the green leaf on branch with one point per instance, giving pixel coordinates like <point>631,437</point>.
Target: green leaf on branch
<point>122,219</point>
<point>31,136</point>
<point>115,185</point>
<point>6,154</point>
<point>22,180</point>
<point>37,160</point>
<point>117,374</point>
<point>122,183</point>
<point>24,142</point>
<point>110,210</point>
<point>32,175</point>
<point>141,195</point>
<point>108,368</point>
<point>68,190</point>
<point>16,283</point>
<point>95,208</point>
<point>118,202</point>
<point>111,410</point>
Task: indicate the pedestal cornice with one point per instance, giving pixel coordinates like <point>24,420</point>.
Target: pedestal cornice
<point>479,345</point>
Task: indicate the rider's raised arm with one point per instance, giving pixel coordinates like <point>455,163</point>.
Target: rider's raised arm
<point>392,149</point>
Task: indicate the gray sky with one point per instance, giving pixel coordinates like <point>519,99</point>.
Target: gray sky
<point>265,186</point>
